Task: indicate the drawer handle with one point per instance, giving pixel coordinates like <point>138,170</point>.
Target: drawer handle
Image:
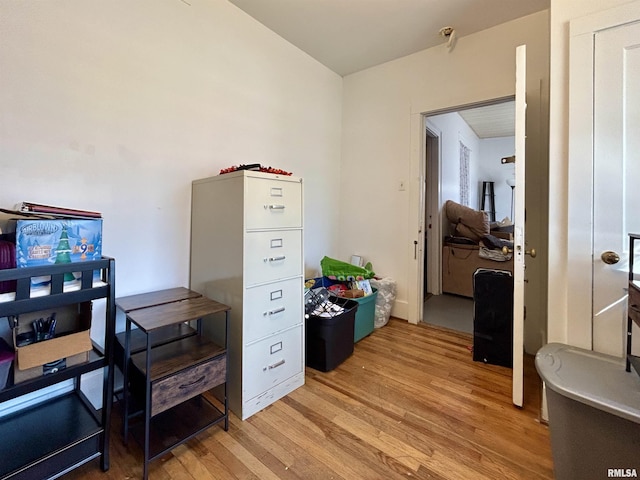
<point>276,365</point>
<point>274,207</point>
<point>276,310</point>
<point>276,259</point>
<point>635,308</point>
<point>189,385</point>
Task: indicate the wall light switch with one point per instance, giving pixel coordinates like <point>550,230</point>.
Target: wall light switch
<point>402,185</point>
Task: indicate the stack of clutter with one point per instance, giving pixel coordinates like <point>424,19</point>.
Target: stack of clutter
<point>350,286</point>
<point>318,303</point>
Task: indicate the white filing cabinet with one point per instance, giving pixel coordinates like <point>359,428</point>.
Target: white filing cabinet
<point>246,252</point>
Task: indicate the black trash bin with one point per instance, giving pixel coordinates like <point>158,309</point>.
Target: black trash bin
<point>330,326</point>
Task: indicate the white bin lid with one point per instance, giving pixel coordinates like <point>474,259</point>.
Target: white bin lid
<point>592,378</point>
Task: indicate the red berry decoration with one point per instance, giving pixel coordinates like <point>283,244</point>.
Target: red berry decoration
<point>276,171</point>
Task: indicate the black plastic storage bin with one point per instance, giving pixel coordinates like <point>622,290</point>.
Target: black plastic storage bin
<point>329,340</point>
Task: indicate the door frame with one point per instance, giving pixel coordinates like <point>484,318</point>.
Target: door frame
<point>431,201</point>
<point>582,32</point>
<point>417,195</point>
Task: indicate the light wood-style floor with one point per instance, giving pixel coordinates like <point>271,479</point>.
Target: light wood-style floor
<point>409,403</point>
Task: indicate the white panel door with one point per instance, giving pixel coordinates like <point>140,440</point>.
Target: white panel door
<point>518,221</point>
<point>616,177</point>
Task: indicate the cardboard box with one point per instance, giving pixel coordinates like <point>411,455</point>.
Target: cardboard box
<point>72,336</point>
<point>459,263</point>
<point>54,241</point>
<point>354,293</point>
<point>39,371</point>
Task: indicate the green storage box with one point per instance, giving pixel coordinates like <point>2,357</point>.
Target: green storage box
<point>365,316</point>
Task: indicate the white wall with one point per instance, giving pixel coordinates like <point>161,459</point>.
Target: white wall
<point>561,13</point>
<point>490,169</point>
<point>485,165</point>
<point>453,130</point>
<point>117,106</point>
<point>377,135</point>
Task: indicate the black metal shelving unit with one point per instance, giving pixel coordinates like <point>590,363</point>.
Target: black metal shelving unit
<point>488,193</point>
<point>633,306</point>
<point>57,435</point>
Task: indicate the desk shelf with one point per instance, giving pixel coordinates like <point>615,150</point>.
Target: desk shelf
<point>178,425</point>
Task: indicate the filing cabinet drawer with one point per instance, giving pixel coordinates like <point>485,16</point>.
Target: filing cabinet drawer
<point>273,203</point>
<point>271,361</point>
<point>271,256</point>
<point>188,383</point>
<point>272,307</point>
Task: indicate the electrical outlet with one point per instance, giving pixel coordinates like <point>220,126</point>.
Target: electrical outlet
<point>402,185</point>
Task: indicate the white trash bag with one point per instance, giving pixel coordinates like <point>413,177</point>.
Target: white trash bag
<point>384,302</point>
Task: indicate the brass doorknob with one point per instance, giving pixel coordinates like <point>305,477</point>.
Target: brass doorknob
<point>609,257</point>
<point>506,251</point>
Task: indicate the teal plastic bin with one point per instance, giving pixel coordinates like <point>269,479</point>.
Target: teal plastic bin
<point>365,316</point>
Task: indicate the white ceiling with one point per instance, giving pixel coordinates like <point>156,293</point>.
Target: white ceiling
<point>496,120</point>
<point>351,35</point>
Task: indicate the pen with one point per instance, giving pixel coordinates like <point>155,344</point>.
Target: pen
<point>52,325</point>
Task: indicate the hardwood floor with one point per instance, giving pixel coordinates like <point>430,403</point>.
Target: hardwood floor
<point>409,403</point>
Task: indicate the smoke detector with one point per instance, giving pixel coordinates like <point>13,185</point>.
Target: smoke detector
<point>450,34</point>
<point>446,31</point>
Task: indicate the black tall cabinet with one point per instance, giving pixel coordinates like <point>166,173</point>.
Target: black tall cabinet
<point>493,317</point>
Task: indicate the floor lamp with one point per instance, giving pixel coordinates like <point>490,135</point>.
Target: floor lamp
<point>512,183</point>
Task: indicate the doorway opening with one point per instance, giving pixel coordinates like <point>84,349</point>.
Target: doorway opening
<point>487,132</point>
